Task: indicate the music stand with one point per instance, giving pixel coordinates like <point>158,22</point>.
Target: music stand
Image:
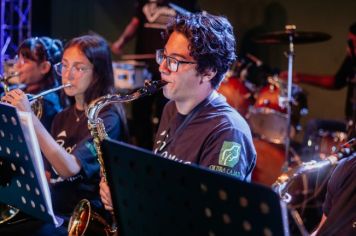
<point>22,181</point>
<point>157,196</point>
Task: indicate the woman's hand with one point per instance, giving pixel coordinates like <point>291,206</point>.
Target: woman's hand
<point>18,99</point>
<point>105,195</point>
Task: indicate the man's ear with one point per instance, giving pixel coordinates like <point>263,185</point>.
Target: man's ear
<point>208,75</point>
<point>45,67</point>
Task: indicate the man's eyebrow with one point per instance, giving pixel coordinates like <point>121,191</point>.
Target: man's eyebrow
<point>175,55</point>
<point>178,55</point>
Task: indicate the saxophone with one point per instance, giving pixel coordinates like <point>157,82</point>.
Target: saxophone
<point>83,215</point>
<point>285,180</point>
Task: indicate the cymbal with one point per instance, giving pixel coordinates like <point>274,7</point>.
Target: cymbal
<point>299,37</point>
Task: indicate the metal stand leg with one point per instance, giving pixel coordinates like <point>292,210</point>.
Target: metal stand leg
<point>299,222</point>
<point>290,29</point>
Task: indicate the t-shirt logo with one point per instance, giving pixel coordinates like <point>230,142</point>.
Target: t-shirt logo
<point>229,154</point>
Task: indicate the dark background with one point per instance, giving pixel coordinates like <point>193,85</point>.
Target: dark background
<point>65,19</point>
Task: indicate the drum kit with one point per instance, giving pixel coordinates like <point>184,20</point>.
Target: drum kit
<point>273,110</point>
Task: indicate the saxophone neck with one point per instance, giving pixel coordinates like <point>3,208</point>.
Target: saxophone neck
<point>98,104</point>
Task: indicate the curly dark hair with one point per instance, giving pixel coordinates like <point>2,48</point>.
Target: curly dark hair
<point>211,42</point>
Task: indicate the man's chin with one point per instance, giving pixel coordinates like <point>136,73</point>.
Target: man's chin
<point>167,94</point>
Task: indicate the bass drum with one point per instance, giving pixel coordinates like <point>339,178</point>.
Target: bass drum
<point>236,94</point>
<point>270,159</point>
<point>268,117</point>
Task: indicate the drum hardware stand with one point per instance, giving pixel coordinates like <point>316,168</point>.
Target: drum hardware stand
<point>298,221</point>
<point>290,30</point>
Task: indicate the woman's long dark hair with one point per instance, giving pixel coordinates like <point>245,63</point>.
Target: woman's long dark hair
<point>98,53</point>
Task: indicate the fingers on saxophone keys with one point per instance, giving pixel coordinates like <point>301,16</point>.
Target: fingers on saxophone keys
<point>105,196</point>
<point>107,204</point>
<point>15,91</point>
<point>109,208</point>
<point>14,97</point>
<point>7,98</point>
<point>10,96</point>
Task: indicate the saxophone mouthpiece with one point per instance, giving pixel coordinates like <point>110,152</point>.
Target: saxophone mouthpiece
<point>152,86</point>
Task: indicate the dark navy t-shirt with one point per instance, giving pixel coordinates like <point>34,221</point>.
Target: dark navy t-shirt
<point>70,130</point>
<point>213,135</point>
<point>51,106</point>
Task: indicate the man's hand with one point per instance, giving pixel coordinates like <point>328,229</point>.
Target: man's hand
<point>105,195</point>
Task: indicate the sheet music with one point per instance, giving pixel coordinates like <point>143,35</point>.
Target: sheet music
<point>36,156</point>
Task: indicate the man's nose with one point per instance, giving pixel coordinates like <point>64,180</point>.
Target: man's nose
<point>163,67</point>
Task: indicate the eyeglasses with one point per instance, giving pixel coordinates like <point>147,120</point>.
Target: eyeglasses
<point>172,63</point>
<point>64,68</point>
<point>20,61</point>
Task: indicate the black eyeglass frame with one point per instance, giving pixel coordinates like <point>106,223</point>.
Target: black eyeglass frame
<point>160,52</point>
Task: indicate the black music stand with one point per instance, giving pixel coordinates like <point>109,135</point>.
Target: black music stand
<point>22,180</point>
<point>156,196</point>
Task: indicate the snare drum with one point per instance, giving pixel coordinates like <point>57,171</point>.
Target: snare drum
<point>268,117</point>
<point>130,74</point>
